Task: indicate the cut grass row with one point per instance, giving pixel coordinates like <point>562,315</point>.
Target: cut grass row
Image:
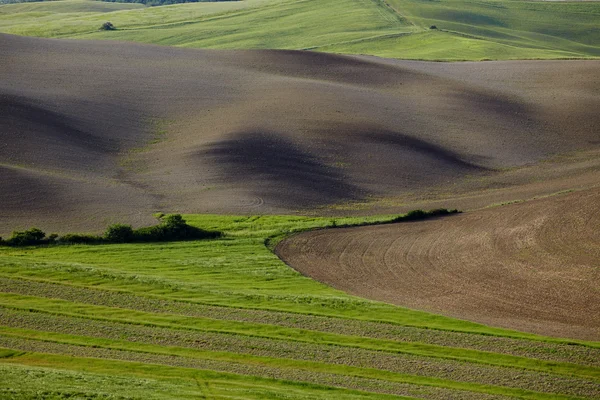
<point>526,348</point>
<point>28,322</point>
<point>59,307</point>
<point>279,363</point>
<point>27,375</point>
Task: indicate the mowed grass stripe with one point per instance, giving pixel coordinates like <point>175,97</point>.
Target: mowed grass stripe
<point>393,362</point>
<point>518,347</point>
<point>170,382</point>
<point>60,307</point>
<point>277,362</point>
<point>258,370</point>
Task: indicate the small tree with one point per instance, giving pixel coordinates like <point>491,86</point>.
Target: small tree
<point>173,220</point>
<point>107,26</point>
<point>119,233</point>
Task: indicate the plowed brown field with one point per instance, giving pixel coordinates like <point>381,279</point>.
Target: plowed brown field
<point>97,132</point>
<point>532,266</point>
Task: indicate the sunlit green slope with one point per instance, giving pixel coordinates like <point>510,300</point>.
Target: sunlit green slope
<point>466,30</point>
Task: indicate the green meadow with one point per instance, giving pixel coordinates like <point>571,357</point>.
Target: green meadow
<point>466,30</point>
<point>225,318</point>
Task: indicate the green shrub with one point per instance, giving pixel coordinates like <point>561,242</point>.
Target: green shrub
<point>74,238</point>
<point>119,233</point>
<point>416,215</point>
<point>29,237</point>
<point>107,26</point>
<point>173,227</point>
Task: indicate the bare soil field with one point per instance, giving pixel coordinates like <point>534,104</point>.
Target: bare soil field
<point>96,132</point>
<point>531,266</point>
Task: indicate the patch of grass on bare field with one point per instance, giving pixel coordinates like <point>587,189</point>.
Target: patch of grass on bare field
<point>234,287</point>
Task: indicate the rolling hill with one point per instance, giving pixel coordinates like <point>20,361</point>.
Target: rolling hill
<point>215,113</point>
<point>96,130</point>
<point>466,30</point>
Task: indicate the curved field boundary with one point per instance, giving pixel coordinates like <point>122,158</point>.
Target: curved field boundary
<point>530,266</point>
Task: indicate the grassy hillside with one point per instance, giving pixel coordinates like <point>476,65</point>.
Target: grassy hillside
<point>226,318</point>
<point>467,30</point>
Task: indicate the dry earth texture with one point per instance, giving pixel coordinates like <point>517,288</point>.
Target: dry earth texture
<point>530,266</point>
<point>97,132</point>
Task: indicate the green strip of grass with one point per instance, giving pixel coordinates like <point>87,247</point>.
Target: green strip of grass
<point>56,376</point>
<point>60,307</point>
<point>276,362</point>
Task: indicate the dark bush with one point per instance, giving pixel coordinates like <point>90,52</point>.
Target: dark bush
<point>173,227</point>
<point>433,27</point>
<point>29,237</point>
<point>107,26</point>
<point>416,215</point>
<point>119,233</point>
<point>74,238</point>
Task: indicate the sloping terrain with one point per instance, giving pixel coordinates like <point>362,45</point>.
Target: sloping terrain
<point>226,318</point>
<point>96,130</point>
<point>532,266</point>
<point>465,29</point>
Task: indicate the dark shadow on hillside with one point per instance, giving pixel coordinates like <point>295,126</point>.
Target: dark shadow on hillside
<point>279,170</point>
<point>23,117</point>
<point>495,103</point>
<point>427,150</point>
<point>22,192</point>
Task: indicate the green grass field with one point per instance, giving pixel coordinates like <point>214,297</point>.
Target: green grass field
<point>226,318</point>
<point>467,30</point>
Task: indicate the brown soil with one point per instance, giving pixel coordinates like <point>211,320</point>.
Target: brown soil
<point>532,266</point>
<point>97,132</point>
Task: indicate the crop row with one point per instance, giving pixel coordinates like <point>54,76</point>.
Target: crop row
<point>401,363</point>
<point>518,347</point>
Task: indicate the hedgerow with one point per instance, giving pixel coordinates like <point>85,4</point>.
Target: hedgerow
<point>171,228</point>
